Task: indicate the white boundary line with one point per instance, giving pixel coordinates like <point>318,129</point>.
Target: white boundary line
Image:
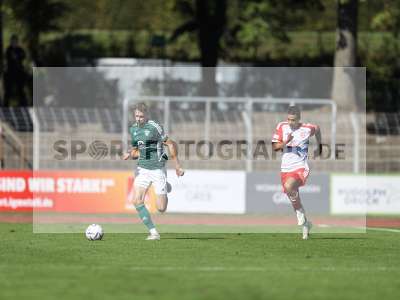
<point>264,269</point>
<point>230,269</point>
<point>384,229</point>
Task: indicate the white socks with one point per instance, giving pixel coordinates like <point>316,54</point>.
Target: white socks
<point>153,231</point>
<point>301,216</point>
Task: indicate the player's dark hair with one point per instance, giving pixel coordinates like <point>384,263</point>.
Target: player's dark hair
<point>142,107</point>
<point>294,110</point>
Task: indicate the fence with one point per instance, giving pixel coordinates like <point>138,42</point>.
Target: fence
<point>244,122</point>
<point>213,119</point>
<point>378,140</point>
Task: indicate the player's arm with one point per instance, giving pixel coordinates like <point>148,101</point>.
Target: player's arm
<point>318,137</point>
<point>173,152</point>
<point>133,153</point>
<point>278,145</point>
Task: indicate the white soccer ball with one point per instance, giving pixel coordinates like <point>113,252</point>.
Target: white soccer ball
<point>94,232</point>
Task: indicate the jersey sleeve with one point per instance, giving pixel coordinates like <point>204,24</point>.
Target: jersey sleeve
<point>312,128</point>
<point>159,131</point>
<point>278,135</point>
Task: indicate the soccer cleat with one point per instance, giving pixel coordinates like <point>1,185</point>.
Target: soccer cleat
<point>301,217</point>
<point>306,230</point>
<point>153,237</point>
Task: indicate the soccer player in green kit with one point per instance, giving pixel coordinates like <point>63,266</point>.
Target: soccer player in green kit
<point>148,141</point>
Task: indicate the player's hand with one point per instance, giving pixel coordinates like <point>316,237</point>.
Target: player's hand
<point>126,156</point>
<point>179,171</point>
<point>318,151</point>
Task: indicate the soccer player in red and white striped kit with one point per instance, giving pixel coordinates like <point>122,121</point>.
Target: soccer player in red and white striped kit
<point>293,137</point>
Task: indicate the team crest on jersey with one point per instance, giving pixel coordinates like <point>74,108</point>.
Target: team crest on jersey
<point>147,132</point>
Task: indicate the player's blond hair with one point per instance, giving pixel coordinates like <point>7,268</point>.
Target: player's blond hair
<point>142,107</point>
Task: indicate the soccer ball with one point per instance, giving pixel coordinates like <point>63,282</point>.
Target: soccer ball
<point>94,232</point>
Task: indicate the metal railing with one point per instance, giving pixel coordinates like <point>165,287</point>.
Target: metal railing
<point>9,138</point>
<point>246,105</point>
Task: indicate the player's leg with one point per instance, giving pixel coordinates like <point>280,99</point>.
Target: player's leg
<point>291,186</point>
<point>159,180</point>
<point>142,183</point>
<point>162,203</point>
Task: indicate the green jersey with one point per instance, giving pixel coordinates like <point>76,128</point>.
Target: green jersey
<point>149,138</point>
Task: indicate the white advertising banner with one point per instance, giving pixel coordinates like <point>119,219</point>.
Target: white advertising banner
<point>207,192</point>
<point>365,194</point>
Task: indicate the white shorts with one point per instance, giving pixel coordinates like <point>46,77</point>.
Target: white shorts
<point>144,178</point>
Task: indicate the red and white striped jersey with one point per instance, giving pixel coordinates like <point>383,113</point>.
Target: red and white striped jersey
<point>295,153</point>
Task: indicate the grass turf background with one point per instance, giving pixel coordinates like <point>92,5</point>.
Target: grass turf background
<point>198,266</point>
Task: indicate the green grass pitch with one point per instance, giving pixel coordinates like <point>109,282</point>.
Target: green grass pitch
<point>198,266</point>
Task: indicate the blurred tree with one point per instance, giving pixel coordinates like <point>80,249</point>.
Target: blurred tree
<point>384,63</point>
<point>251,24</point>
<point>343,88</point>
<point>152,15</point>
<point>38,17</point>
<point>385,59</point>
<point>257,21</point>
<point>388,19</point>
<point>208,18</point>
